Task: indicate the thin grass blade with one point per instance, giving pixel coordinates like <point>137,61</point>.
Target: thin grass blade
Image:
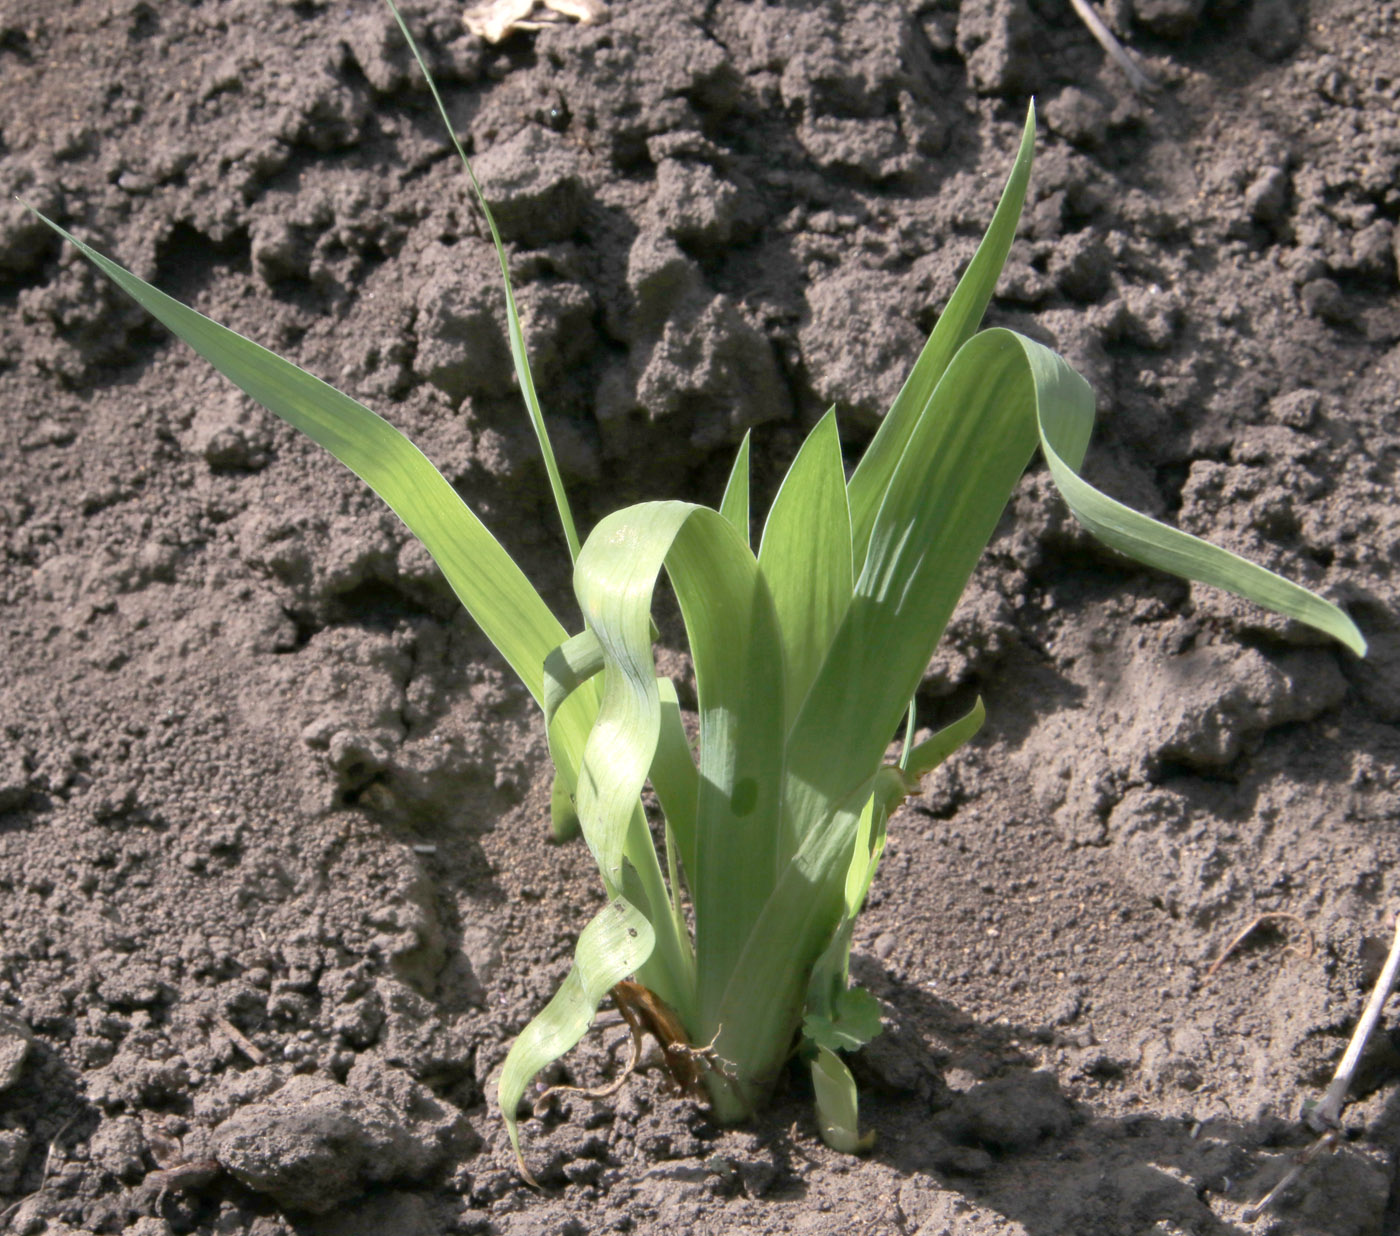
<point>955,327</point>
<point>734,506</point>
<point>490,585</point>
<point>516,332</point>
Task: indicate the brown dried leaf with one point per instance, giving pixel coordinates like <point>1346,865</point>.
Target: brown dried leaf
<point>495,20</point>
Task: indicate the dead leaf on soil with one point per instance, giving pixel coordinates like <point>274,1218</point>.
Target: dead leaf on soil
<point>495,20</point>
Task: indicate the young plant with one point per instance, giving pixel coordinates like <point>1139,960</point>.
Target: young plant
<point>807,656</point>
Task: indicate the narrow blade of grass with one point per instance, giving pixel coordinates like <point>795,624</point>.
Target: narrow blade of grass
<point>735,504</point>
<point>514,329</point>
<point>955,327</point>
<point>494,590</point>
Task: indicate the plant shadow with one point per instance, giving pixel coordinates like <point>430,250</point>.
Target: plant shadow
<point>1009,1137</point>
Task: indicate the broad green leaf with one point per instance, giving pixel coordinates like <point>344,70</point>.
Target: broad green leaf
<point>613,945</point>
<point>964,457</point>
<point>517,335</point>
<point>853,1021</point>
<point>614,579</point>
<point>1169,549</point>
<point>734,506</point>
<point>563,816</point>
<point>675,778</point>
<point>1001,396</point>
<point>954,327</point>
<point>805,556</point>
<point>762,1001</point>
<point>735,647</point>
<point>490,585</point>
<point>568,667</point>
<point>838,1108</point>
<point>677,785</point>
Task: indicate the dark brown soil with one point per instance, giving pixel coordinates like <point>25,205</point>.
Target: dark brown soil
<point>275,886</point>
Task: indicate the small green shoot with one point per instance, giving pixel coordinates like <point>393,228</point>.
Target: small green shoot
<point>807,655</point>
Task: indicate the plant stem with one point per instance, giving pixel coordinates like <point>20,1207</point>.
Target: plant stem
<point>1327,1113</point>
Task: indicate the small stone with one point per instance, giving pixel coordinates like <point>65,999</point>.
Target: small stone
<point>1275,28</point>
<point>14,1149</point>
<point>357,757</point>
<point>278,251</point>
<point>962,1160</point>
<point>694,204</point>
<point>401,1214</point>
<point>1372,250</point>
<point>533,185</point>
<point>1297,409</point>
<point>118,1147</point>
<point>1007,1113</point>
<point>1168,18</point>
<point>1324,299</point>
<point>1082,267</point>
<point>1078,117</point>
<point>994,40</point>
<point>228,449</point>
<point>1267,196</point>
<point>1066,1008</point>
<point>14,779</point>
<point>462,347</point>
<point>15,1042</point>
<point>315,1144</point>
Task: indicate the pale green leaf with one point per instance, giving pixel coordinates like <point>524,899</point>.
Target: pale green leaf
<point>1169,549</point>
<point>1001,396</point>
<point>516,333</point>
<point>563,816</point>
<point>838,1108</point>
<point>734,506</point>
<point>924,757</point>
<point>568,667</point>
<point>805,556</point>
<point>614,944</point>
<point>490,585</point>
<point>853,1020</point>
<point>675,778</point>
<point>735,648</point>
<point>954,327</point>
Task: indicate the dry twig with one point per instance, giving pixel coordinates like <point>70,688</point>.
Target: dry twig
<point>1325,1118</point>
<point>44,1177</point>
<point>1254,926</point>
<point>241,1041</point>
<point>1138,77</point>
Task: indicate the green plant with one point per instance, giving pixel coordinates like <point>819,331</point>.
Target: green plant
<point>807,655</point>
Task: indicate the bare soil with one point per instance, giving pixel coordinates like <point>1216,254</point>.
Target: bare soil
<point>275,888</point>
